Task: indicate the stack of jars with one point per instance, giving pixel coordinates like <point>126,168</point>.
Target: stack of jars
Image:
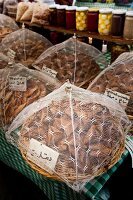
<point>104,21</point>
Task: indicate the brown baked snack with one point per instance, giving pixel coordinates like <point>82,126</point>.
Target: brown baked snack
<point>14,99</point>
<point>88,136</point>
<point>27,45</point>
<point>61,58</point>
<point>7,25</point>
<point>118,77</point>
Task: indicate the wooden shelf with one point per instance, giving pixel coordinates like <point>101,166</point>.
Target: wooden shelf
<point>108,38</point>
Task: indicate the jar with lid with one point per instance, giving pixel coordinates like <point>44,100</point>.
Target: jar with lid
<point>118,49</point>
<point>92,20</point>
<point>118,19</point>
<point>81,18</point>
<point>53,14</point>
<point>61,16</point>
<point>71,17</point>
<point>128,27</point>
<point>104,23</point>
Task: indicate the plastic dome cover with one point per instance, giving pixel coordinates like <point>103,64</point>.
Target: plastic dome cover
<point>73,60</point>
<point>26,44</point>
<point>19,87</point>
<point>7,25</point>
<point>117,81</point>
<point>72,133</point>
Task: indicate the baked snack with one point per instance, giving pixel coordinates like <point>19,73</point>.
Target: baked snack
<point>7,25</point>
<point>86,129</point>
<point>27,45</point>
<point>118,77</point>
<point>61,58</point>
<point>16,95</point>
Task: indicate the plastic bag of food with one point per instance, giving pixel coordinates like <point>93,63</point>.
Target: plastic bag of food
<point>117,81</point>
<point>7,25</point>
<point>26,44</point>
<point>71,134</point>
<point>22,7</point>
<point>41,14</point>
<point>4,60</point>
<point>19,87</point>
<point>8,3</point>
<point>27,16</point>
<point>73,60</point>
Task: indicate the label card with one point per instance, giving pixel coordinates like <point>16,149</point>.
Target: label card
<point>117,96</point>
<point>51,72</point>
<point>17,83</point>
<point>42,155</point>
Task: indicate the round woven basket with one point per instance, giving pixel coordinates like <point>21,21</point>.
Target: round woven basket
<point>72,176</point>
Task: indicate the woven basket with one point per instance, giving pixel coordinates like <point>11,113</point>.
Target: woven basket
<point>72,176</point>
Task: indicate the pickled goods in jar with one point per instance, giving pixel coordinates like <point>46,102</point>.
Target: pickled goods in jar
<point>81,18</point>
<point>104,23</point>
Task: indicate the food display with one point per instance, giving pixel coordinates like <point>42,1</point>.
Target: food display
<point>26,44</point>
<point>118,78</point>
<point>7,25</point>
<point>84,134</point>
<point>128,25</point>
<point>19,87</point>
<point>73,60</point>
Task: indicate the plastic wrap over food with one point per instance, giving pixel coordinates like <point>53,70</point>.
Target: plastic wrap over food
<point>19,87</point>
<point>73,60</point>
<point>7,25</point>
<point>72,134</point>
<point>21,9</point>
<point>26,44</point>
<point>117,81</point>
<point>3,61</point>
<point>8,3</point>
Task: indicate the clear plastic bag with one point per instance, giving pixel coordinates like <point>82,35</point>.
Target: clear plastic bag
<point>26,44</point>
<point>27,16</point>
<point>3,61</point>
<point>41,14</point>
<point>8,3</point>
<point>71,134</point>
<point>73,60</point>
<point>21,9</point>
<point>7,25</point>
<point>119,79</point>
<point>19,87</point>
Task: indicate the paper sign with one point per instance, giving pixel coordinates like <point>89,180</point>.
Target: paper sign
<point>42,155</point>
<point>17,83</point>
<point>11,55</point>
<point>117,96</point>
<point>51,72</point>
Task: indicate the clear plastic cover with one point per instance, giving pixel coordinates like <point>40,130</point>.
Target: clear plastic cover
<point>26,44</point>
<point>3,61</point>
<point>73,60</point>
<point>8,3</point>
<point>21,9</point>
<point>72,133</point>
<point>19,87</point>
<point>7,25</point>
<point>118,78</point>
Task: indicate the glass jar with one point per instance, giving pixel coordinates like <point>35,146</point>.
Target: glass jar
<point>92,20</point>
<point>118,49</point>
<point>61,16</point>
<point>71,17</point>
<point>104,23</point>
<point>81,18</point>
<point>118,19</point>
<point>53,14</point>
<point>128,27</point>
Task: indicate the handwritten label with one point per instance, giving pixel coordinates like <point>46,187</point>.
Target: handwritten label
<point>42,155</point>
<point>11,55</point>
<point>51,72</point>
<point>17,83</point>
<point>117,96</point>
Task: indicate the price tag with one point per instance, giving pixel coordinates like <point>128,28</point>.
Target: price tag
<point>17,83</point>
<point>11,55</point>
<point>42,155</point>
<point>51,72</point>
<point>117,96</point>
